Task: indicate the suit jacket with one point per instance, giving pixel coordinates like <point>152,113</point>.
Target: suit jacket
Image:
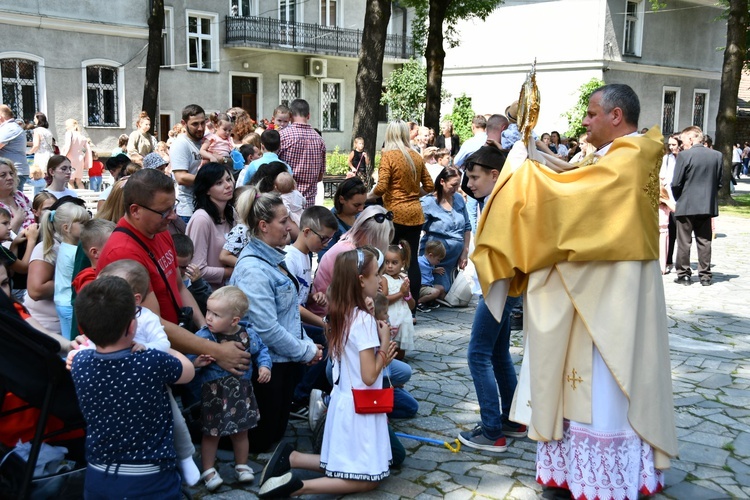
<point>455,143</point>
<point>696,181</point>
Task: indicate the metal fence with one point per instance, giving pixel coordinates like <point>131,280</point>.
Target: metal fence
<point>313,38</point>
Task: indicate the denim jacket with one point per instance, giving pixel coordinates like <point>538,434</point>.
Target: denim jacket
<point>257,349</point>
<point>274,304</point>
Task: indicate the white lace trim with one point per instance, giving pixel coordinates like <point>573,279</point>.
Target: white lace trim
<point>597,465</point>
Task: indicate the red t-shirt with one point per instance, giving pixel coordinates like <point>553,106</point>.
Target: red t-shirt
<point>122,246</point>
<point>96,168</point>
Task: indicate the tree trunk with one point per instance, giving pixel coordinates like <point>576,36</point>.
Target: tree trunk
<point>153,62</point>
<point>435,55</point>
<point>370,77</point>
<point>726,119</point>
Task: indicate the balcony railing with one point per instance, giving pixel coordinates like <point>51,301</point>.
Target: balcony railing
<point>265,32</point>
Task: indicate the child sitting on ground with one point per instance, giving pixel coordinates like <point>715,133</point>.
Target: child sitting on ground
<point>228,404</point>
<point>190,273</point>
<point>434,253</point>
<point>293,200</point>
<point>122,395</point>
<point>150,334</point>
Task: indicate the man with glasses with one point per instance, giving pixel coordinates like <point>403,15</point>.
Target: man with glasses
<point>142,235</point>
<point>185,156</point>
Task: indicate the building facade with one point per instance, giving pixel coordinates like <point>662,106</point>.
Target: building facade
<point>670,57</point>
<point>86,60</point>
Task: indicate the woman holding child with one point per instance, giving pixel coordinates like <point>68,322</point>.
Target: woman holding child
<point>261,274</point>
<point>213,218</point>
<point>447,220</point>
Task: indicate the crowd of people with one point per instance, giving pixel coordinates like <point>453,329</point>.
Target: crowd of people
<point>209,264</point>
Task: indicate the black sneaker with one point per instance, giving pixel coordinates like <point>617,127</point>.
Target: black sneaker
<point>514,430</point>
<point>299,410</point>
<point>423,308</point>
<point>281,486</point>
<point>278,464</point>
<point>476,439</point>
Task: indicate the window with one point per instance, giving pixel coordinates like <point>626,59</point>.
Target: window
<point>167,38</point>
<point>634,14</point>
<point>328,13</point>
<point>290,88</point>
<point>670,110</point>
<point>330,102</point>
<point>242,8</point>
<point>19,80</point>
<point>288,11</point>
<point>203,43</point>
<point>102,96</point>
<point>700,108</point>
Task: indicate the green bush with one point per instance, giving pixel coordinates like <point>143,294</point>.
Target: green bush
<point>337,162</point>
<point>461,116</point>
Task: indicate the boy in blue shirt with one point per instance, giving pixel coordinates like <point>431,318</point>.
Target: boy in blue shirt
<point>434,253</point>
<point>122,391</point>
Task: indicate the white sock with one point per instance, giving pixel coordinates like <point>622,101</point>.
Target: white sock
<point>190,473</point>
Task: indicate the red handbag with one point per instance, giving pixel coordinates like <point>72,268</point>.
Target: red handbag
<point>368,401</point>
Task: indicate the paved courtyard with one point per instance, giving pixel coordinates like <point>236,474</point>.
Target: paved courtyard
<point>709,331</point>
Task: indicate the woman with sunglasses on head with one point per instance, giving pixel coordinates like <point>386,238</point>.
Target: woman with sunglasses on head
<point>59,172</point>
<point>348,203</point>
<point>402,180</point>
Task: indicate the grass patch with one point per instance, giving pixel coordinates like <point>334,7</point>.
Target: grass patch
<point>728,447</point>
<point>741,209</point>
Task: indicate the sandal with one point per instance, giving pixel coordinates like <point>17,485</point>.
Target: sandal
<point>244,473</point>
<point>212,482</point>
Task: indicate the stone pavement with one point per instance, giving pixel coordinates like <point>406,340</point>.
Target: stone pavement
<point>710,350</point>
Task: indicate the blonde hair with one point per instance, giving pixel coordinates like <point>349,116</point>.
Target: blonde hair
<point>397,138</point>
<point>114,207</point>
<point>52,223</point>
<point>367,231</point>
<point>72,124</point>
<point>13,171</point>
<point>131,271</point>
<point>285,183</point>
<point>95,232</point>
<point>234,298</point>
<point>254,206</point>
<point>142,116</point>
<point>436,248</point>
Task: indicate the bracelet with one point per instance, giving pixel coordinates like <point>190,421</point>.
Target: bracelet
<point>407,297</point>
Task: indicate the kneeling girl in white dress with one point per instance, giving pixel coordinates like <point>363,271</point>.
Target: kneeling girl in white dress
<point>356,451</point>
<point>395,286</point>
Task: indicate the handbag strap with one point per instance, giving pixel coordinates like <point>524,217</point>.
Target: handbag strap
<point>130,233</point>
<point>343,361</point>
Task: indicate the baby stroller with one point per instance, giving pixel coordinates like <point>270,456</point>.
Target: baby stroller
<point>33,372</point>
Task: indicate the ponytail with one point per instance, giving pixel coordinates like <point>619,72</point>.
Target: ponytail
<point>253,206</point>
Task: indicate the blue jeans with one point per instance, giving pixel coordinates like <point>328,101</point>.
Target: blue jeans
<point>95,183</point>
<point>163,485</point>
<point>66,321</point>
<point>491,366</point>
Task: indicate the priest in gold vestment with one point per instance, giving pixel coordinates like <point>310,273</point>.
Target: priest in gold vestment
<point>581,245</point>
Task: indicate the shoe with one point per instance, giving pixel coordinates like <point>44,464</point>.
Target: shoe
<point>281,486</point>
<point>299,410</point>
<point>668,269</point>
<point>317,408</point>
<point>244,473</point>
<point>475,439</point>
<point>435,305</point>
<point>683,280</point>
<point>423,308</point>
<point>516,321</point>
<point>213,482</point>
<point>706,282</point>
<point>278,464</point>
<point>514,430</point>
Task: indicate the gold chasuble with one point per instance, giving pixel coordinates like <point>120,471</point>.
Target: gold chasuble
<point>582,246</point>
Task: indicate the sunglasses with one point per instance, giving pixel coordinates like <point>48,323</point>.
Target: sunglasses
<point>380,218</point>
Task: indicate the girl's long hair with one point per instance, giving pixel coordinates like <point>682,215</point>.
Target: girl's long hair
<point>114,208</point>
<point>207,176</point>
<point>52,223</point>
<point>344,295</point>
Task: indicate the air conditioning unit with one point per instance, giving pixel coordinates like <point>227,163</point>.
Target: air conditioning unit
<point>316,67</point>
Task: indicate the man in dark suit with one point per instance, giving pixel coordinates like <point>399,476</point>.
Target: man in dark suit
<point>695,185</point>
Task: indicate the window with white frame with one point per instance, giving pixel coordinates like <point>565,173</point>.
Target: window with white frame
<point>20,87</point>
<point>243,8</point>
<point>203,41</point>
<point>330,103</point>
<point>290,88</point>
<point>670,110</point>
<point>288,11</point>
<point>102,96</point>
<point>634,14</point>
<point>167,39</point>
<point>329,13</point>
<point>700,108</point>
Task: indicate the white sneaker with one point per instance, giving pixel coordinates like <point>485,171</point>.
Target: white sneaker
<point>317,408</point>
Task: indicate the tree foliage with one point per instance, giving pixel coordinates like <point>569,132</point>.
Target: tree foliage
<point>461,116</point>
<point>406,92</point>
<point>576,114</point>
